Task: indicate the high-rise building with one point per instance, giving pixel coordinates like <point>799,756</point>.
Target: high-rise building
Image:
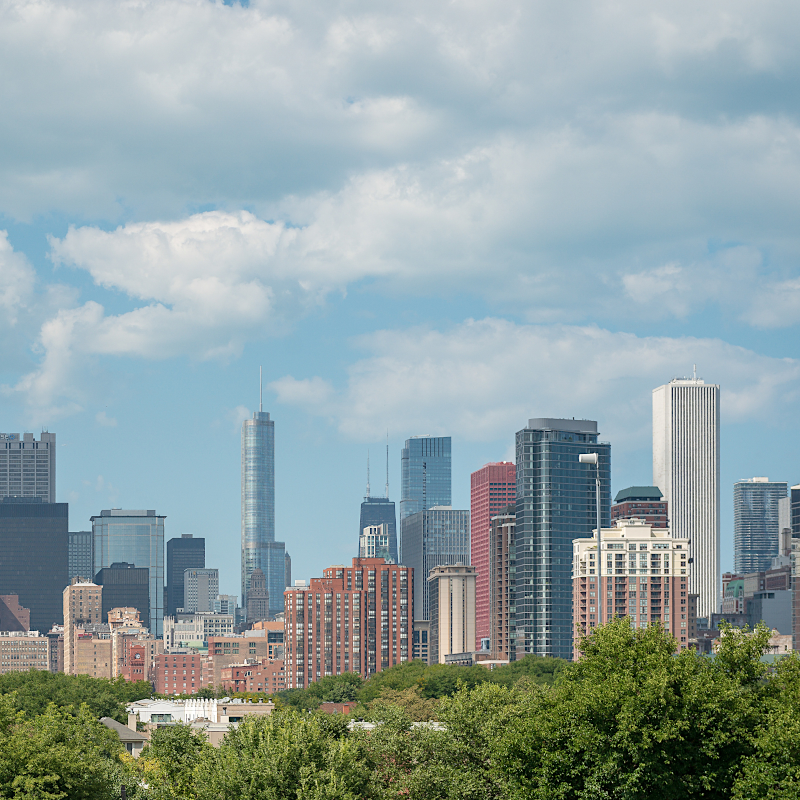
<point>502,573</point>
<point>380,511</point>
<point>200,590</point>
<point>374,542</point>
<point>33,566</point>
<point>28,467</point>
<point>259,548</point>
<point>80,554</point>
<point>794,556</point>
<point>125,586</point>
<point>756,524</point>
<point>82,605</point>
<point>686,469</point>
<point>452,596</point>
<point>258,598</point>
<point>135,537</point>
<point>353,619</point>
<point>425,476</point>
<point>188,552</point>
<point>644,577</point>
<point>556,504</point>
<point>641,502</point>
<point>431,538</point>
<point>492,488</point>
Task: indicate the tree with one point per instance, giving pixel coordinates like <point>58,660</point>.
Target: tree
<point>411,701</point>
<point>168,761</point>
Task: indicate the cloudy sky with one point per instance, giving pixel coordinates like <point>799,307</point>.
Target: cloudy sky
<point>419,217</point>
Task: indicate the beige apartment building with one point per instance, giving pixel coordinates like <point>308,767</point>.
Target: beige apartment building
<point>451,589</point>
<point>83,604</point>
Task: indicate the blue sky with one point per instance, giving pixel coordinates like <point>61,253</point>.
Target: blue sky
<point>422,217</point>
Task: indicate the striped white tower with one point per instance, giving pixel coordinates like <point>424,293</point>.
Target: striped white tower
<point>686,469</point>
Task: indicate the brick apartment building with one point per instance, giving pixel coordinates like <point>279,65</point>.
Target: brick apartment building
<point>266,676</point>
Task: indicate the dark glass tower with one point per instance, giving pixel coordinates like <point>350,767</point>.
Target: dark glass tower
<point>555,504</point>
<point>125,586</point>
<point>380,511</point>
<point>755,523</point>
<point>184,553</point>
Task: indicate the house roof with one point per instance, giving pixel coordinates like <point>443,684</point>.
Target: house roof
<point>638,493</point>
<point>123,731</point>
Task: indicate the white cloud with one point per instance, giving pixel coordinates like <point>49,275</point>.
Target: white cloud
<point>483,379</point>
<point>17,281</point>
<point>104,421</point>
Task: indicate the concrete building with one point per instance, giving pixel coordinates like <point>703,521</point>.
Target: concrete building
<point>254,675</point>
<point>452,598</point>
<point>420,646</point>
<point>258,599</point>
<point>28,466</point>
<point>200,590</point>
<point>80,555</point>
<point>125,586</point>
<point>13,616</point>
<point>33,543</point>
<point>756,523</point>
<point>135,537</point>
<point>21,651</point>
<point>492,488</point>
<point>641,502</point>
<point>353,619</point>
<point>82,605</point>
<point>432,538</point>
<point>186,552</point>
<point>686,469</point>
<point>502,592</point>
<point>92,651</point>
<point>375,542</point>
<point>645,573</point>
<point>763,596</point>
<point>185,629</point>
<point>556,504</point>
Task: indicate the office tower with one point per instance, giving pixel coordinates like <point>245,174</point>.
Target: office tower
<point>135,537</point>
<point>642,502</point>
<point>425,476</point>
<point>258,599</point>
<point>82,604</point>
<point>502,568</point>
<point>80,560</point>
<point>431,538</point>
<point>451,589</point>
<point>185,553</point>
<point>379,511</point>
<point>492,488</point>
<point>686,469</point>
<point>13,616</point>
<point>756,524</point>
<point>374,542</point>
<point>28,467</point>
<point>794,510</point>
<point>794,554</point>
<point>33,566</point>
<point>259,548</point>
<point>645,575</point>
<point>556,503</point>
<point>353,619</point>
<point>125,586</point>
<point>200,590</point>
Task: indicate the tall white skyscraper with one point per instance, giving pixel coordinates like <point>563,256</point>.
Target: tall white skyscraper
<point>686,469</point>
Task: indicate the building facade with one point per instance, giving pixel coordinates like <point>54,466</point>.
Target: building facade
<point>82,605</point>
<point>13,616</point>
<point>258,599</point>
<point>375,542</point>
<point>641,502</point>
<point>756,523</point>
<point>183,630</point>
<point>80,559</point>
<point>178,673</point>
<point>420,644</point>
<point>21,651</point>
<point>125,586</point>
<point>33,543</point>
<point>353,619</point>
<point>134,537</point>
<point>186,552</point>
<point>28,466</point>
<point>645,573</point>
<point>432,538</point>
<point>686,469</point>
<point>259,548</point>
<point>556,504</point>
<point>257,675</point>
<point>379,511</point>
<point>492,488</point>
<point>452,597</point>
<point>502,569</point>
<point>200,590</point>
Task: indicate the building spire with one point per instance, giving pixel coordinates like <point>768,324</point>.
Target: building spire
<point>367,473</point>
<point>387,465</point>
<point>260,391</point>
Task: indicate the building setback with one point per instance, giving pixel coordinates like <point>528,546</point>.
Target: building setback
<point>452,597</point>
<point>492,488</point>
<point>502,567</point>
<point>556,504</point>
<point>187,552</point>
<point>756,527</point>
<point>641,502</point>
<point>353,619</point>
<point>28,467</point>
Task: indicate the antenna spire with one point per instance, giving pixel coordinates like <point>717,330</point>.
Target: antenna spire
<point>387,465</point>
<point>694,371</point>
<point>260,391</point>
<point>367,473</point>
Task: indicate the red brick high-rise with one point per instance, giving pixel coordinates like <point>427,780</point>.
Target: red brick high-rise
<point>493,488</point>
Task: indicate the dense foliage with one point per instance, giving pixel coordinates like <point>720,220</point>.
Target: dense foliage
<point>630,720</point>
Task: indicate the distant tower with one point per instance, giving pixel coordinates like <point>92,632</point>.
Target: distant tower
<point>258,599</point>
<point>376,511</point>
<point>756,528</point>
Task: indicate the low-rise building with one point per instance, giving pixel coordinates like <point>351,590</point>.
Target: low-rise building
<point>21,651</point>
<point>234,649</point>
<point>93,651</point>
<point>264,675</point>
<point>178,672</point>
<point>182,629</point>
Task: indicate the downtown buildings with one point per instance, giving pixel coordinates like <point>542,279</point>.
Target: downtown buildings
<point>756,524</point>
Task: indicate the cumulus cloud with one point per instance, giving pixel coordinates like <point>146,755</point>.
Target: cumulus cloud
<point>483,379</point>
<point>17,281</point>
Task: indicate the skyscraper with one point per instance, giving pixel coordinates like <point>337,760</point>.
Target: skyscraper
<point>756,528</point>
<point>185,553</point>
<point>430,539</point>
<point>125,586</point>
<point>28,467</point>
<point>135,537</point>
<point>556,504</point>
<point>200,590</point>
<point>80,559</point>
<point>380,511</point>
<point>259,548</point>
<point>686,469</point>
<point>492,488</point>
<point>425,476</point>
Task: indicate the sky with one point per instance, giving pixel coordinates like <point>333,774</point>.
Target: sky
<point>419,218</point>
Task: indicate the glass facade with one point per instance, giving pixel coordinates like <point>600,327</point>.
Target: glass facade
<point>380,511</point>
<point>80,556</point>
<point>135,537</point>
<point>259,548</point>
<point>755,523</point>
<point>185,553</point>
<point>430,539</point>
<point>556,503</point>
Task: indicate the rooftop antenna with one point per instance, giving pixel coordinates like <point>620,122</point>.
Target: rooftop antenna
<point>260,391</point>
<point>387,465</point>
<point>694,372</point>
<point>367,473</point>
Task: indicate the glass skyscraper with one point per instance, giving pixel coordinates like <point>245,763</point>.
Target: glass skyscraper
<point>135,537</point>
<point>185,553</point>
<point>755,523</point>
<point>259,548</point>
<point>380,511</point>
<point>556,503</point>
